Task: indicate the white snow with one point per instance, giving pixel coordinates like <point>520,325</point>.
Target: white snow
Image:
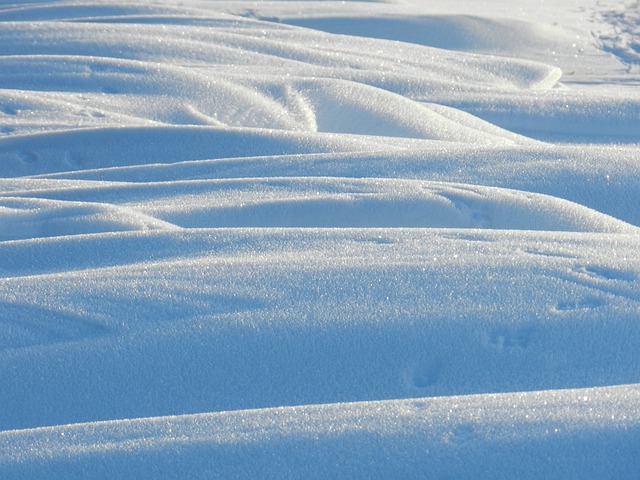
<point>392,239</point>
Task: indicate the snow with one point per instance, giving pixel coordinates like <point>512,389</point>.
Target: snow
<point>319,239</point>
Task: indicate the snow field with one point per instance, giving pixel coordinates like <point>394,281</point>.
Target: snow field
<point>316,239</point>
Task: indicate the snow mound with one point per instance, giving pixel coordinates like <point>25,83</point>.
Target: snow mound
<point>253,314</point>
<point>411,438</point>
<point>296,202</point>
<point>86,149</point>
<point>23,218</point>
<point>467,33</point>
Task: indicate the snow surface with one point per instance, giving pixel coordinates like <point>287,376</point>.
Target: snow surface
<point>316,239</point>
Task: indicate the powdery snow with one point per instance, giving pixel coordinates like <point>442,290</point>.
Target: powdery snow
<point>319,239</point>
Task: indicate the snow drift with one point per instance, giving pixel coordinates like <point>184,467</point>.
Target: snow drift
<point>311,240</point>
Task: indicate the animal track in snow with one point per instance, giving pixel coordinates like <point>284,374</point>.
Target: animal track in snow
<point>604,273</point>
<point>461,434</point>
<point>420,405</point>
<point>586,303</point>
<point>622,40</point>
<point>28,157</point>
<point>507,339</point>
<point>468,237</point>
<point>543,253</point>
<point>23,326</point>
<point>426,373</point>
<point>607,280</point>
<point>74,159</point>
<point>475,211</point>
<point>380,240</point>
<point>7,110</point>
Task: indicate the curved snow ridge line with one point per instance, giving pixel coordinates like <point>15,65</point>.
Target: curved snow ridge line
<point>25,326</point>
<point>87,11</point>
<point>151,92</point>
<point>340,106</point>
<point>560,116</point>
<point>268,45</point>
<point>335,202</point>
<point>467,33</point>
<point>258,318</point>
<point>27,112</point>
<point>410,438</point>
<point>92,148</point>
<point>57,255</point>
<point>25,218</point>
<point>156,93</point>
<point>596,177</point>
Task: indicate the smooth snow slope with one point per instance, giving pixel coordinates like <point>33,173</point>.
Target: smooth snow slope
<point>319,239</point>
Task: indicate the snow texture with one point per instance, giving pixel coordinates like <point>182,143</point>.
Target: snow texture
<point>385,239</point>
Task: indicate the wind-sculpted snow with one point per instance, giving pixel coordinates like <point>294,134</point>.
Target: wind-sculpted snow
<point>288,202</point>
<point>319,239</point>
<point>387,438</point>
<point>226,319</point>
<point>31,218</point>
